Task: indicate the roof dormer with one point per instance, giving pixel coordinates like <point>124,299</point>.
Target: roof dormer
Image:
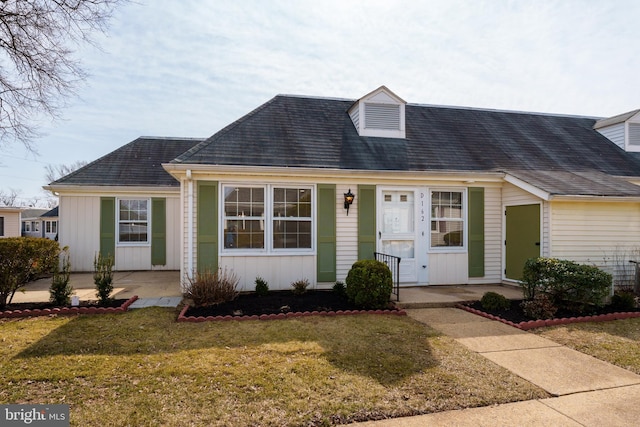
<point>623,130</point>
<point>380,113</point>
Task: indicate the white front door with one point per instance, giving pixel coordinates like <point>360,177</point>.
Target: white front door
<point>397,229</point>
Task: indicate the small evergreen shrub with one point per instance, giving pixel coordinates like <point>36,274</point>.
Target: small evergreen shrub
<point>262,287</point>
<point>339,289</point>
<point>369,284</point>
<point>209,288</point>
<point>540,307</point>
<point>572,286</point>
<point>103,277</point>
<point>493,301</point>
<point>299,287</point>
<point>623,301</point>
<point>60,290</point>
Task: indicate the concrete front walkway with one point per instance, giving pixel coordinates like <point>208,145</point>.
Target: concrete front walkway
<point>153,288</point>
<point>588,391</point>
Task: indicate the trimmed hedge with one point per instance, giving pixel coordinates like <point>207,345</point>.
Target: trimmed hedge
<point>369,284</point>
<point>569,285</point>
<point>22,260</point>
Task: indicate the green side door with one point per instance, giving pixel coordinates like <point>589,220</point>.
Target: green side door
<point>522,238</point>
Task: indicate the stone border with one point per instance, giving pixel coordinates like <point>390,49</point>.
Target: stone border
<point>67,310</point>
<point>532,324</point>
<point>291,315</point>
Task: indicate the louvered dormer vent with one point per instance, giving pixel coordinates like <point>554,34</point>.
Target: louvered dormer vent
<point>380,114</point>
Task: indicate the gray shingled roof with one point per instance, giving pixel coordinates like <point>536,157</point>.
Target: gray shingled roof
<point>558,154</point>
<point>139,163</point>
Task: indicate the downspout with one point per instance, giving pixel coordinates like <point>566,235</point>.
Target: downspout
<point>190,270</point>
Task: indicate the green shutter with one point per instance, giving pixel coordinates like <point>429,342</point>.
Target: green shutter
<point>158,232</point>
<point>326,231</point>
<point>366,200</point>
<point>207,226</point>
<point>108,226</point>
<point>476,232</point>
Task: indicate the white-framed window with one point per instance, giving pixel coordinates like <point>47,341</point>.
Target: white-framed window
<point>448,219</point>
<point>50,227</point>
<point>35,225</point>
<point>26,225</point>
<point>267,218</point>
<point>133,221</point>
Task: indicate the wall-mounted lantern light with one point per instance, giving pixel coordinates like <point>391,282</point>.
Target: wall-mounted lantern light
<point>348,200</point>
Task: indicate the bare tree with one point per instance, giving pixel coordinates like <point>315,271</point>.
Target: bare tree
<point>8,198</point>
<point>55,172</point>
<point>38,71</point>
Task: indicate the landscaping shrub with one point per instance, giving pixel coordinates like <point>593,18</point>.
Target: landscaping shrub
<point>299,287</point>
<point>624,301</point>
<point>339,289</point>
<point>60,290</point>
<point>262,287</point>
<point>493,301</point>
<point>22,260</point>
<point>209,288</point>
<point>540,307</point>
<point>573,286</point>
<point>103,277</point>
<point>369,284</point>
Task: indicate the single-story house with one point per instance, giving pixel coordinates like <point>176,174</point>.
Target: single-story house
<point>10,221</point>
<point>462,195</point>
<point>40,223</point>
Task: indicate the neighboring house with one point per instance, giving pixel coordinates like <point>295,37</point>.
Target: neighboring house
<point>9,221</point>
<point>462,195</point>
<point>50,224</point>
<point>31,222</point>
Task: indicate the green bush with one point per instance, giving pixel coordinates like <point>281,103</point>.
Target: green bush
<point>262,287</point>
<point>369,284</point>
<point>208,288</point>
<point>103,277</point>
<point>573,286</point>
<point>540,307</point>
<point>623,301</point>
<point>299,287</point>
<point>60,290</point>
<point>22,260</point>
<point>339,289</point>
<point>493,301</point>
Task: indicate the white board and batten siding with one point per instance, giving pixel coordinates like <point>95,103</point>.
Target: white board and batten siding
<point>79,219</point>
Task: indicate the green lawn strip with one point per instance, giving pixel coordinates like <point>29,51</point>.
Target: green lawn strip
<point>616,341</point>
<point>143,368</point>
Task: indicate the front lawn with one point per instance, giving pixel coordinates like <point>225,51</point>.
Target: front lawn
<point>143,368</point>
<point>615,341</point>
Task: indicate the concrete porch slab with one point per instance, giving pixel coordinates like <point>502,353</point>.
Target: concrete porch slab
<point>561,371</point>
<point>449,296</point>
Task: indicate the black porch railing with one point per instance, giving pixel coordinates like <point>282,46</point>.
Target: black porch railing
<point>393,262</point>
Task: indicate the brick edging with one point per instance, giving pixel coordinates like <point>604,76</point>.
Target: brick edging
<point>531,324</point>
<point>291,315</point>
<point>67,310</point>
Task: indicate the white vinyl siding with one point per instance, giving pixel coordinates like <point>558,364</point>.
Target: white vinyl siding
<point>79,228</point>
<point>634,135</point>
<point>615,134</point>
<point>12,224</point>
<point>596,233</point>
<point>493,215</point>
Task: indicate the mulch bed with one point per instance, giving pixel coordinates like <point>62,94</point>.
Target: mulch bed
<point>29,309</point>
<point>278,305</point>
<point>515,317</point>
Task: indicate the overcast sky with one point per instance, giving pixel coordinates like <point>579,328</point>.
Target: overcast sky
<point>188,68</point>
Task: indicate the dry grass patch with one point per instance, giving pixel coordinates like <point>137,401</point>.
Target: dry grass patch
<point>616,341</point>
<point>143,368</point>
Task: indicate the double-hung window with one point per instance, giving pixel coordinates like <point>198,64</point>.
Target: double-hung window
<point>133,221</point>
<point>267,218</point>
<point>447,219</point>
